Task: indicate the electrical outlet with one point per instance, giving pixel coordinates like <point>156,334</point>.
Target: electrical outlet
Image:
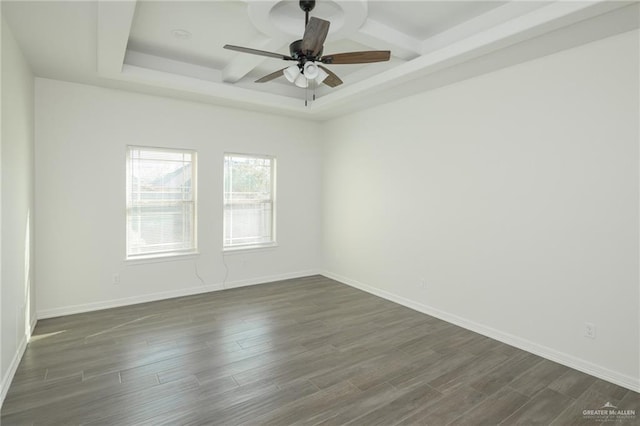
<point>423,283</point>
<point>116,279</point>
<point>589,330</point>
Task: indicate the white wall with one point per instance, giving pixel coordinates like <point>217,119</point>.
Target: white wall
<point>81,138</point>
<point>513,196</point>
<point>16,278</point>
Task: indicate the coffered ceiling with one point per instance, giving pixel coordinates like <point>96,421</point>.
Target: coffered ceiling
<point>175,48</point>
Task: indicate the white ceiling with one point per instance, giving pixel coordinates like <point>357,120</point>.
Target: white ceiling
<point>131,45</point>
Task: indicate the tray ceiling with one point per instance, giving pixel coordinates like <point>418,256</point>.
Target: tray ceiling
<point>175,48</point>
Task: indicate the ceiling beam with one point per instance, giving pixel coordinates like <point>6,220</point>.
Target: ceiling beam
<point>114,25</point>
<point>382,37</point>
<point>160,63</point>
<point>483,22</point>
<point>210,91</point>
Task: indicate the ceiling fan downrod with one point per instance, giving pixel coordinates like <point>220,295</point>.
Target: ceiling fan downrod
<point>307,6</point>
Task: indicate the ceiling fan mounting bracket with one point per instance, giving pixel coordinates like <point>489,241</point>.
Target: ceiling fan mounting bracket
<point>307,5</point>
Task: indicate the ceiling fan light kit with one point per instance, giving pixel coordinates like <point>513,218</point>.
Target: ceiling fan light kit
<point>291,73</point>
<point>301,81</point>
<point>311,70</point>
<point>307,52</point>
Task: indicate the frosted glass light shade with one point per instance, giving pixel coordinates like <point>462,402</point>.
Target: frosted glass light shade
<point>291,73</point>
<point>311,70</point>
<point>301,81</point>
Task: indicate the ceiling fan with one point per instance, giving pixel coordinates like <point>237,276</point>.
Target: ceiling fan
<point>308,55</point>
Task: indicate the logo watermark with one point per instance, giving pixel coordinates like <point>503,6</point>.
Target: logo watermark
<point>609,413</point>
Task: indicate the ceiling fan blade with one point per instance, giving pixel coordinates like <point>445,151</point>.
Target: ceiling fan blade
<point>258,52</point>
<point>357,57</point>
<point>333,80</point>
<point>271,76</point>
<point>314,36</point>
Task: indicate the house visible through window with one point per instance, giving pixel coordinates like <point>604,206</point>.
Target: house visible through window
<point>249,199</point>
<point>161,202</point>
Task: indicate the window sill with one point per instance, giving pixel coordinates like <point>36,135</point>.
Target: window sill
<point>157,258</point>
<point>248,249</point>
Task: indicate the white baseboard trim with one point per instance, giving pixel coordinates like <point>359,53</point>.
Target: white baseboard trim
<point>34,322</point>
<point>188,291</point>
<point>629,382</point>
<point>15,362</point>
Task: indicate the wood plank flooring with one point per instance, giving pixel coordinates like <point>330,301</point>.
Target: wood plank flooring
<point>304,351</point>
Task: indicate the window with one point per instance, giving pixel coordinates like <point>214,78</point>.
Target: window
<point>161,202</point>
<point>249,198</point>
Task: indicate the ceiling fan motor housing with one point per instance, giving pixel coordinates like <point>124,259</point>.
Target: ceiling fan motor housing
<point>295,51</point>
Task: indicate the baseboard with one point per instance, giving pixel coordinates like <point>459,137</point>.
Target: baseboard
<point>603,373</point>
<point>15,362</point>
<point>189,291</point>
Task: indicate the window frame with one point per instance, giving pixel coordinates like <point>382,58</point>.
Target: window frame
<point>251,246</point>
<point>163,254</point>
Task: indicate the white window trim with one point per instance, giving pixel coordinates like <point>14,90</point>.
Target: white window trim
<point>249,247</point>
<point>168,255</point>
<point>165,257</point>
<point>243,248</point>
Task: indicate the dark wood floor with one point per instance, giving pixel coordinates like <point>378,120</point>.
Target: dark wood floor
<point>303,351</point>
